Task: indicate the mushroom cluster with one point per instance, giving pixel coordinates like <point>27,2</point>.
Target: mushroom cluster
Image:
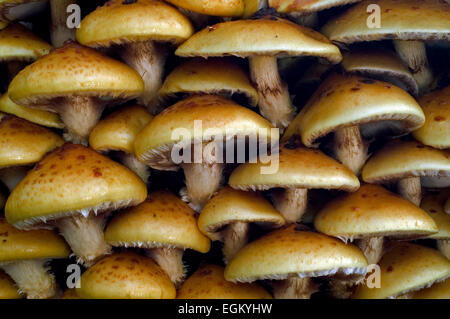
<point>225,149</point>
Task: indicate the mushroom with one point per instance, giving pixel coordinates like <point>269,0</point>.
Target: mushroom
<point>213,76</point>
<point>8,289</point>
<point>177,130</point>
<point>11,10</point>
<point>420,20</point>
<point>164,226</point>
<point>60,32</point>
<point>262,41</point>
<point>228,216</point>
<point>406,268</point>
<point>76,82</point>
<point>22,144</point>
<point>73,188</point>
<point>411,165</point>
<point>436,130</point>
<point>137,26</point>
<point>24,256</point>
<point>208,282</point>
<point>117,133</point>
<point>70,293</point>
<point>125,275</point>
<point>440,290</point>
<point>291,257</point>
<point>299,169</point>
<point>354,108</point>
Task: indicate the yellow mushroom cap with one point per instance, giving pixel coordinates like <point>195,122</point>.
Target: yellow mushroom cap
<point>400,19</point>
<point>37,116</point>
<point>8,289</point>
<point>18,244</point>
<point>347,100</point>
<point>74,70</point>
<point>118,22</point>
<point>373,211</point>
<point>221,8</point>
<point>308,6</point>
<point>291,251</point>
<point>405,268</point>
<point>125,275</point>
<point>73,179</point>
<point>218,116</point>
<point>208,282</point>
<point>400,159</point>
<point>440,290</point>
<point>118,131</point>
<point>24,143</point>
<point>229,205</point>
<point>433,204</point>
<point>212,76</point>
<point>266,36</point>
<point>436,130</point>
<point>163,220</point>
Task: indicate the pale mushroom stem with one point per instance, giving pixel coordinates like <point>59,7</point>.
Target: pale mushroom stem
<point>291,203</point>
<point>349,148</point>
<point>12,176</point>
<point>32,278</point>
<point>148,59</point>
<point>444,247</point>
<point>294,288</point>
<point>411,189</point>
<point>235,236</point>
<point>14,67</point>
<point>274,100</point>
<point>59,30</point>
<point>308,20</point>
<point>343,288</point>
<point>23,10</point>
<point>414,54</point>
<point>130,161</point>
<point>198,20</point>
<point>85,236</point>
<point>171,261</point>
<point>372,248</point>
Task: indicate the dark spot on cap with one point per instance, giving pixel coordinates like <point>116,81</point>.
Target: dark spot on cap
<point>389,269</point>
<point>433,211</point>
<point>205,272</point>
<point>439,118</point>
<point>129,1</point>
<point>354,89</point>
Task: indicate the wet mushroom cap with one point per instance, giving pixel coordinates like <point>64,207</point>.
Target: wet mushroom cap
<point>349,100</point>
<point>294,6</point>
<point>405,268</point>
<point>125,275</point>
<point>220,8</point>
<point>433,204</point>
<point>118,22</point>
<point>208,282</point>
<point>72,180</point>
<point>163,220</point>
<point>8,289</point>
<point>373,211</point>
<point>440,290</point>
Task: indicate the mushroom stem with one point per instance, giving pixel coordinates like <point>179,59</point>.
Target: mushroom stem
<point>130,161</point>
<point>171,261</point>
<point>411,189</point>
<point>274,100</point>
<point>291,203</point>
<point>59,31</point>
<point>32,278</point>
<point>235,236</point>
<point>294,288</point>
<point>310,20</point>
<point>414,54</point>
<point>343,288</point>
<point>12,176</point>
<point>198,20</point>
<point>444,247</point>
<point>85,236</point>
<point>148,59</point>
<point>349,148</point>
<point>372,248</point>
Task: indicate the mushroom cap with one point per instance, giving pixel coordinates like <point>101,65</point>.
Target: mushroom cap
<point>163,220</point>
<point>348,100</point>
<point>117,131</point>
<point>267,36</point>
<point>212,76</point>
<point>298,167</point>
<point>440,290</point>
<point>8,289</point>
<point>125,275</point>
<point>405,268</point>
<point>401,20</point>
<point>24,11</point>
<point>208,282</point>
<point>74,70</point>
<point>402,159</point>
<point>118,22</point>
<point>433,204</point>
<point>436,130</point>
<point>221,8</point>
<point>229,205</point>
<point>218,116</point>
<point>18,244</point>
<point>294,252</point>
<point>23,142</point>
<point>37,116</point>
<point>295,6</point>
<point>373,211</point>
<point>19,43</point>
<point>71,180</point>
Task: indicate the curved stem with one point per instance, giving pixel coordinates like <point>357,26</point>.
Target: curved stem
<point>411,189</point>
<point>372,248</point>
<point>291,203</point>
<point>11,176</point>
<point>349,148</point>
<point>294,288</point>
<point>235,236</point>
<point>130,161</point>
<point>59,31</point>
<point>171,261</point>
